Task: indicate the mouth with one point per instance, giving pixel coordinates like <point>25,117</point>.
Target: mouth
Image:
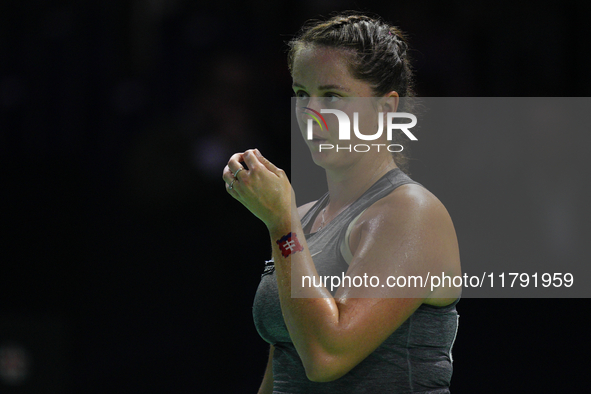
<point>318,140</point>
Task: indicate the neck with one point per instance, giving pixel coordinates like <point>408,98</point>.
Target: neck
<point>346,186</point>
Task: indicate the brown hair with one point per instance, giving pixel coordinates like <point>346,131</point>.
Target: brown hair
<point>379,55</point>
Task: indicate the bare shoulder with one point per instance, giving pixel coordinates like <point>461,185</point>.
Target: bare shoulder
<point>413,214</point>
<point>412,208</point>
<point>302,210</point>
<point>410,203</point>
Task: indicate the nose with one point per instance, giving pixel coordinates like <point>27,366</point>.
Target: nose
<point>310,108</point>
<point>315,103</point>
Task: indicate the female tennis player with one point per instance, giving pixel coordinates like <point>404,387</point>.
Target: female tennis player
<point>369,334</point>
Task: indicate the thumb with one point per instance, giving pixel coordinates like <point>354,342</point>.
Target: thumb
<point>270,166</point>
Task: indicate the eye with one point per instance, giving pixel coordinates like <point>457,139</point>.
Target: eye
<point>302,95</point>
<point>331,98</point>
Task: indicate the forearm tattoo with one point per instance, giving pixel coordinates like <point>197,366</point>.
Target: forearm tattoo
<point>289,244</point>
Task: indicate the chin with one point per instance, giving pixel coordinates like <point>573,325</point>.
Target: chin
<point>319,158</point>
<point>328,160</point>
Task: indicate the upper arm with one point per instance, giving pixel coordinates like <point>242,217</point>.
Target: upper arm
<point>407,234</point>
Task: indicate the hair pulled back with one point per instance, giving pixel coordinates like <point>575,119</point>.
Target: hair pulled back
<point>379,51</point>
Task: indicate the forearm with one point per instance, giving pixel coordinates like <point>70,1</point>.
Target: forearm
<point>310,313</point>
<point>313,321</point>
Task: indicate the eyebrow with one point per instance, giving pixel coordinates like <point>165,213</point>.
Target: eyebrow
<point>323,87</point>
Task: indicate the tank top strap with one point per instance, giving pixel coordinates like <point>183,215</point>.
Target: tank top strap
<point>383,187</point>
<point>309,216</point>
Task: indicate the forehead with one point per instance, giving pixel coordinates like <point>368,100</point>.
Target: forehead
<point>316,66</point>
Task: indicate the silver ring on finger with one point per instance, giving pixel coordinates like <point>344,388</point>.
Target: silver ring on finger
<point>231,184</point>
<point>237,171</point>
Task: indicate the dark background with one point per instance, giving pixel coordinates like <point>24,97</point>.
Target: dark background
<point>125,266</point>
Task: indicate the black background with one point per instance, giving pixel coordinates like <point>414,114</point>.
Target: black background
<point>125,266</point>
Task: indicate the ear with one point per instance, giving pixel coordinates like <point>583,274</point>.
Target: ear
<point>390,102</point>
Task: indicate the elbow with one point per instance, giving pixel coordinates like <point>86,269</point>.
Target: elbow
<point>322,375</point>
<point>325,369</point>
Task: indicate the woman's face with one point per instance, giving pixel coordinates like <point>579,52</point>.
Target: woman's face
<point>321,80</point>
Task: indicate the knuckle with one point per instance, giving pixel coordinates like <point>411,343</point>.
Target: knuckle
<point>243,181</point>
<point>235,156</point>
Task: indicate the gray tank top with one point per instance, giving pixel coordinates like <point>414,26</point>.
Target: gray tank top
<point>416,358</point>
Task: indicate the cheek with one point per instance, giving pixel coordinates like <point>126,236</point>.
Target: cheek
<point>320,127</point>
<point>368,125</point>
<point>302,120</point>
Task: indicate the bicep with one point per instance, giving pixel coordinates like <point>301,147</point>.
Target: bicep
<point>397,245</point>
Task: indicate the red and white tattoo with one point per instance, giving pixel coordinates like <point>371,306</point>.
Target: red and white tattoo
<point>289,244</point>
